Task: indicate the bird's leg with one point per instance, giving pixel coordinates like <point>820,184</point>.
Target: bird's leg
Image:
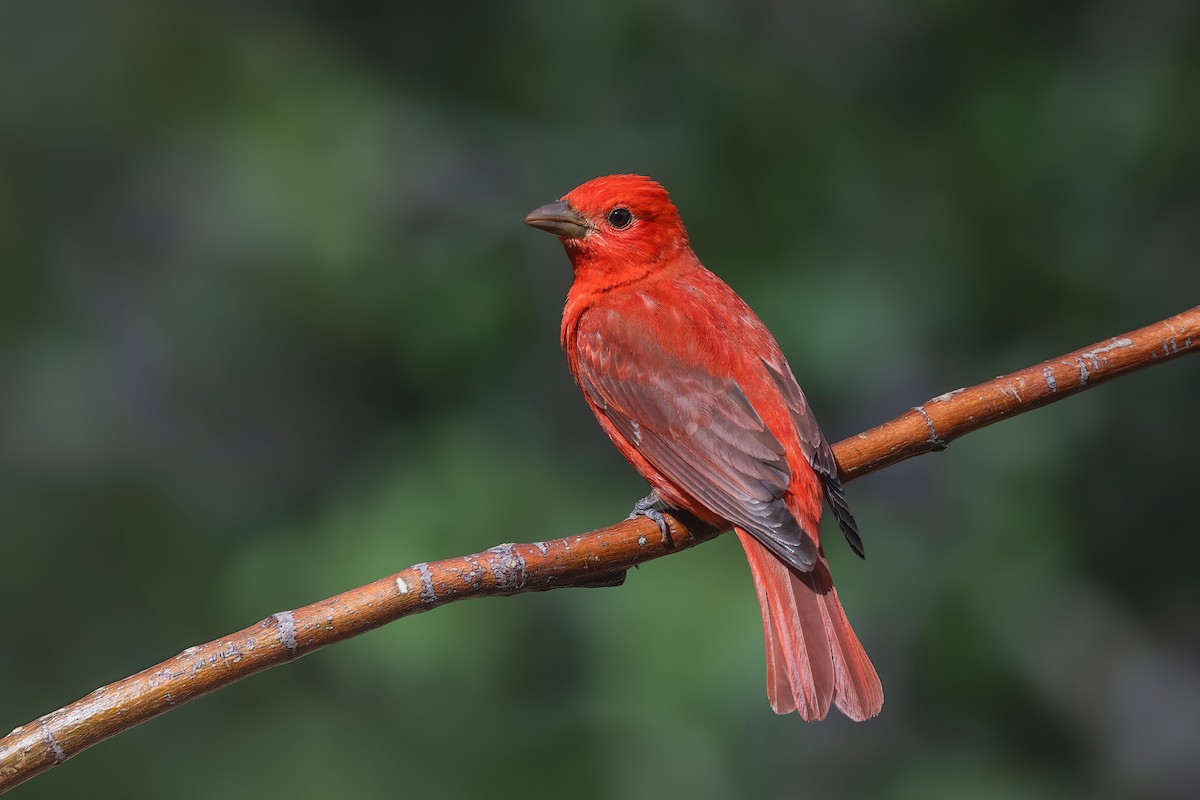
<point>651,507</point>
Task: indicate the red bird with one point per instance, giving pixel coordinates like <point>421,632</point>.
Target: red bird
<point>694,391</point>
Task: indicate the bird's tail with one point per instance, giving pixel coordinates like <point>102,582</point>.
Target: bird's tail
<point>813,656</point>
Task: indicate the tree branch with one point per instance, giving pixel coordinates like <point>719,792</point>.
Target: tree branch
<point>596,558</point>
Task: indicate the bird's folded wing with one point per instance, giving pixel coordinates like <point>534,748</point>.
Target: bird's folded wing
<point>698,429</point>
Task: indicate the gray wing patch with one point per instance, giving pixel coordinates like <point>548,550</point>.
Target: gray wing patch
<point>817,451</point>
<point>701,432</point>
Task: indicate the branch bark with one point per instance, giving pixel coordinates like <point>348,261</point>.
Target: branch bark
<point>596,558</point>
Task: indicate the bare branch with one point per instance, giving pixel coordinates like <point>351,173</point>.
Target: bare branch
<point>596,558</point>
<point>932,426</point>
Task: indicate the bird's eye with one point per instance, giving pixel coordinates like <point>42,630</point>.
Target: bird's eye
<point>620,218</point>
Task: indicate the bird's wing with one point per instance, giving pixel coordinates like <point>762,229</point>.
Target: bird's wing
<point>696,428</point>
<point>815,447</point>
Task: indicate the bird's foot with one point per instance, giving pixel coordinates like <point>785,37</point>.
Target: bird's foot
<point>651,507</point>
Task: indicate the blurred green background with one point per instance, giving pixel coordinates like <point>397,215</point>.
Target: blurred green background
<point>270,328</point>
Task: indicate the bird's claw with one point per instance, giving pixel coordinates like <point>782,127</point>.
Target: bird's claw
<point>651,507</point>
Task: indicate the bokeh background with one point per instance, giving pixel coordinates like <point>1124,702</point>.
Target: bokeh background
<point>270,328</point>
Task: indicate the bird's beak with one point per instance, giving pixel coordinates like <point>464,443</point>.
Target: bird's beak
<point>560,219</point>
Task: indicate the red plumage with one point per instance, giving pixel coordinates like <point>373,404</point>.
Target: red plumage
<point>694,391</point>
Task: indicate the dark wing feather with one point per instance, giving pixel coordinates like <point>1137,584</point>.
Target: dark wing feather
<point>697,429</point>
<point>817,451</point>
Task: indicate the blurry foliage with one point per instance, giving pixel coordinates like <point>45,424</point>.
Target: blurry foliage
<point>270,328</point>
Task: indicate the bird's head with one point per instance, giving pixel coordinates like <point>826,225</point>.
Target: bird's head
<point>616,224</point>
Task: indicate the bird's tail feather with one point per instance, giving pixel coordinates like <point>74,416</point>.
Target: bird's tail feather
<point>813,657</point>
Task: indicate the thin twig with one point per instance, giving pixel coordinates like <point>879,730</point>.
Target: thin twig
<point>596,558</point>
